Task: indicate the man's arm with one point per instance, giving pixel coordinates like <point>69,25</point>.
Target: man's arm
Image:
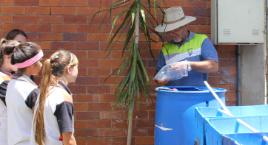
<point>205,66</point>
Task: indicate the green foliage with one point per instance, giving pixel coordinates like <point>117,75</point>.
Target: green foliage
<point>136,80</point>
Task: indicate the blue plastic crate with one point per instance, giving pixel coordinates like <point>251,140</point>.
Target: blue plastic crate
<point>216,129</point>
<point>212,112</point>
<point>245,139</point>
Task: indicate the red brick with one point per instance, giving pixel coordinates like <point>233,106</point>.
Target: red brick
<point>144,140</point>
<point>88,80</point>
<point>86,10</point>
<point>33,36</point>
<point>99,141</point>
<point>119,141</point>
<point>81,107</point>
<point>87,45</point>
<point>141,132</point>
<point>45,44</point>
<point>98,89</point>
<point>75,3</point>
<point>70,19</point>
<point>63,10</point>
<point>99,107</point>
<point>87,115</point>
<point>99,28</point>
<point>94,3</point>
<point>25,19</point>
<point>92,64</point>
<point>78,90</point>
<point>144,123</point>
<point>111,132</point>
<point>100,18</point>
<point>50,36</point>
<point>50,2</point>
<point>107,98</point>
<point>81,124</point>
<point>98,37</point>
<point>38,10</point>
<point>64,28</point>
<point>97,54</point>
<point>99,72</point>
<point>110,63</point>
<point>113,115</point>
<point>117,123</point>
<point>12,10</point>
<point>6,2</point>
<point>86,132</point>
<point>106,123</point>
<point>44,19</point>
<point>74,36</point>
<point>83,28</point>
<point>6,19</point>
<point>86,98</point>
<point>141,115</point>
<point>62,45</point>
<point>28,27</point>
<point>26,2</point>
<point>106,3</point>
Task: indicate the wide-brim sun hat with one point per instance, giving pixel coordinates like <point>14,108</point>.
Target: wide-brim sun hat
<point>174,18</point>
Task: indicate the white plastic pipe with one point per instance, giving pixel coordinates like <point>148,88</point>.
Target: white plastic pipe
<point>227,112</point>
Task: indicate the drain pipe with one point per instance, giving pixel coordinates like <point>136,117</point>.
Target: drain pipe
<point>238,97</point>
<point>266,57</point>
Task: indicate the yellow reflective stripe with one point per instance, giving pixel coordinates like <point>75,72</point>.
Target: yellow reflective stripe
<point>193,44</point>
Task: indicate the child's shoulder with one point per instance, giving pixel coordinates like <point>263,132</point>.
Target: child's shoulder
<point>61,95</point>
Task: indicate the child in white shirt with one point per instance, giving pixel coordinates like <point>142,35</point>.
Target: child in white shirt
<point>22,92</point>
<point>53,115</point>
<point>6,49</point>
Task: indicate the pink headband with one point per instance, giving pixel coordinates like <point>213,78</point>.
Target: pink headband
<point>30,61</point>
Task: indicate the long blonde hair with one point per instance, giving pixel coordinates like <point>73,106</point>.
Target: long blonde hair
<point>53,68</point>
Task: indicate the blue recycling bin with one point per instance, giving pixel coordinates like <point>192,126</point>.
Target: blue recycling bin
<point>245,139</point>
<point>216,129</point>
<point>175,106</point>
<point>203,113</point>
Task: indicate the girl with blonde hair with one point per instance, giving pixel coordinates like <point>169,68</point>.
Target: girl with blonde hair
<point>53,119</point>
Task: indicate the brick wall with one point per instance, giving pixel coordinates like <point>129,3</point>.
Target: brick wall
<point>67,24</point>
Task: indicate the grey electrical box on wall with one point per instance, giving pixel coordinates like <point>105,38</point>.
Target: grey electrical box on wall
<point>238,21</point>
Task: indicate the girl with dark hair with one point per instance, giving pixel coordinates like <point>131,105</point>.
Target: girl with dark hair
<point>53,115</point>
<point>6,49</point>
<point>22,93</point>
<point>17,34</point>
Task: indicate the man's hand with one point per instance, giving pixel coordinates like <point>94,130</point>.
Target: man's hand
<point>161,82</point>
<point>172,72</point>
<point>181,66</point>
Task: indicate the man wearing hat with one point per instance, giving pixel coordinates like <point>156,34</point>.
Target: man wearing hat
<point>184,50</point>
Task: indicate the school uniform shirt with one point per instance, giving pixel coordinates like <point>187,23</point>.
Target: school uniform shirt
<point>4,79</point>
<point>196,47</point>
<point>58,114</point>
<point>21,96</point>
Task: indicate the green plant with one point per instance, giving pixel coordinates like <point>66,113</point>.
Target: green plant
<point>134,18</point>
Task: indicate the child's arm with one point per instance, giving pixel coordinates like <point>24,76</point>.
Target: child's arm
<point>68,138</point>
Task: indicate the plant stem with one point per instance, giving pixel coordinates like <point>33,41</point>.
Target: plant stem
<point>131,107</point>
<point>130,123</point>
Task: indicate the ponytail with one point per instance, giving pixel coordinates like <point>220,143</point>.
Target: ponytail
<point>39,117</point>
